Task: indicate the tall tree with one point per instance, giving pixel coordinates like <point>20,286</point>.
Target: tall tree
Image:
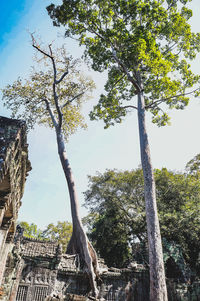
<point>142,44</point>
<point>53,96</point>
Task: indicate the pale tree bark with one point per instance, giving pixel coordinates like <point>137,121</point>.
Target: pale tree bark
<point>79,243</point>
<point>158,290</point>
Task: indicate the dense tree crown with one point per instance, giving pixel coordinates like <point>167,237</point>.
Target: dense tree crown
<point>115,200</point>
<point>144,45</point>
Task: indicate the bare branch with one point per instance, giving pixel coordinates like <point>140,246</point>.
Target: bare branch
<point>129,106</point>
<point>71,100</point>
<point>62,77</point>
<point>60,117</point>
<point>50,49</point>
<point>53,63</point>
<point>34,44</point>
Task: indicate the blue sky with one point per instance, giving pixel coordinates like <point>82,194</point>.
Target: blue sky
<point>46,197</point>
<point>11,14</point>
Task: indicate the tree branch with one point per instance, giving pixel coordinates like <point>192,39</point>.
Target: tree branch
<point>73,98</point>
<point>157,102</point>
<point>53,63</point>
<point>62,77</point>
<point>51,113</point>
<point>170,48</point>
<point>130,106</point>
<point>60,116</point>
<point>130,78</point>
<point>115,84</point>
<point>34,44</point>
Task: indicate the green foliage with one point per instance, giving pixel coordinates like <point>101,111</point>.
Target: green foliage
<point>61,232</point>
<point>111,238</point>
<point>178,198</point>
<point>116,189</point>
<point>174,261</point>
<point>120,196</point>
<point>27,98</point>
<point>145,46</point>
<point>193,166</point>
<point>31,230</point>
<point>115,221</point>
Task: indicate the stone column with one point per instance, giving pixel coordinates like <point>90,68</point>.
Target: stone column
<point>1,215</point>
<point>3,258</point>
<point>14,289</point>
<point>3,252</point>
<point>3,234</point>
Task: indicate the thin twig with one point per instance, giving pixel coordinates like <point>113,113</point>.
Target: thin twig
<point>38,48</point>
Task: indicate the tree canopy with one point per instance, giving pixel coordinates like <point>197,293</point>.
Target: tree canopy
<point>144,45</point>
<point>60,232</point>
<point>31,230</point>
<point>115,200</point>
<point>27,98</point>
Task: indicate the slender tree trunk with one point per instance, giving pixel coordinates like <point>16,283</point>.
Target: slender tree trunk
<point>158,290</point>
<point>79,243</point>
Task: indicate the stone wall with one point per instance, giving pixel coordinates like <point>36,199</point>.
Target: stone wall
<point>14,165</point>
<point>38,269</point>
<point>42,272</point>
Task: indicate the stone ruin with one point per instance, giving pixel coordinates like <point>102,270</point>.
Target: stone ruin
<point>35,270</point>
<point>45,272</point>
<point>14,166</point>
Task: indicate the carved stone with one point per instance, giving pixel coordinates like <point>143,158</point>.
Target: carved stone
<point>14,166</point>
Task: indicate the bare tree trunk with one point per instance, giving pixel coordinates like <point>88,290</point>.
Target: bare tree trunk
<point>158,290</point>
<point>79,243</point>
